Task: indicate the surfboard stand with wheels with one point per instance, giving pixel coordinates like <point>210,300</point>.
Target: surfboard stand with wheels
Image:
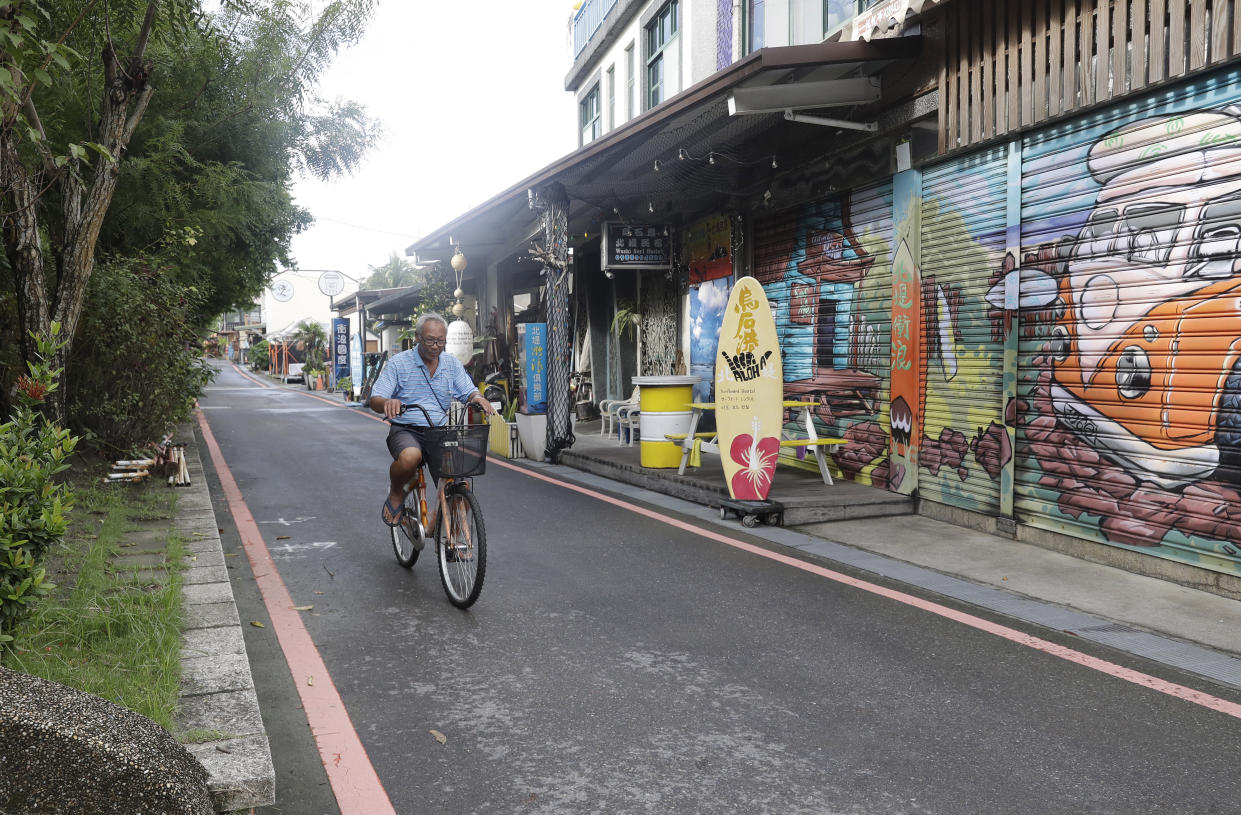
<point>752,512</point>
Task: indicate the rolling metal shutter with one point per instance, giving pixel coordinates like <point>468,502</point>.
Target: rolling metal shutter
<point>963,247</point>
<point>826,269</point>
<point>1130,358</point>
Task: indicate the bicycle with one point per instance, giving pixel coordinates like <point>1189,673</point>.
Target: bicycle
<point>453,454</point>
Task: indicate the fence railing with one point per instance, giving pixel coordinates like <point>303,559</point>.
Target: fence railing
<point>589,17</point>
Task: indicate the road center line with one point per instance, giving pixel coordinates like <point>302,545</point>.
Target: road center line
<point>354,781</point>
<point>1013,635</point>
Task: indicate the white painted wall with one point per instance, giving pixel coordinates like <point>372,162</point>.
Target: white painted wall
<point>307,303</point>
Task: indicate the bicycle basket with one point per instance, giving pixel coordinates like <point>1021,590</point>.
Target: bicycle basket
<point>457,451</point>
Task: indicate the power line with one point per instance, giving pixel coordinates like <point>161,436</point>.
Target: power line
<point>367,228</point>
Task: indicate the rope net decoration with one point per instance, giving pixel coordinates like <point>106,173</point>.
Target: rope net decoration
<point>554,204</point>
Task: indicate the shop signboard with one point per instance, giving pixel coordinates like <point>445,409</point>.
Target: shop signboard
<point>533,344</point>
<point>340,348</point>
<point>636,246</point>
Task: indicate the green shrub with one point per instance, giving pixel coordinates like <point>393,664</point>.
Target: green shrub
<point>32,502</point>
<point>136,368</point>
<point>259,356</point>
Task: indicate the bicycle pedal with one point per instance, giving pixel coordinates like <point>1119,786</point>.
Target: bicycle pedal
<point>454,554</point>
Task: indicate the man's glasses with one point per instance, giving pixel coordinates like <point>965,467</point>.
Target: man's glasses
<point>434,342</point>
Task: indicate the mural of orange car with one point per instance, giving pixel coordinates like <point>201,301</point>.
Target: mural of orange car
<point>1144,354</point>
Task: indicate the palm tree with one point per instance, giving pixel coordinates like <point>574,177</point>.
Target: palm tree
<point>397,272</point>
<point>313,338</point>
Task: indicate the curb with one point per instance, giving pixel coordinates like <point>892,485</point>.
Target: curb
<point>217,688</point>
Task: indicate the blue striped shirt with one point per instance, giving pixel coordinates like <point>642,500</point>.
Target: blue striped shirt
<point>406,377</point>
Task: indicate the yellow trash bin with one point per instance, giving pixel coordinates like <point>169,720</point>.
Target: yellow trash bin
<point>664,402</point>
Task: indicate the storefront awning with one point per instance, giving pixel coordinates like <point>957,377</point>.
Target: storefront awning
<point>700,151</point>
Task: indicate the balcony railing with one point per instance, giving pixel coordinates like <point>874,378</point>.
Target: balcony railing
<point>589,17</point>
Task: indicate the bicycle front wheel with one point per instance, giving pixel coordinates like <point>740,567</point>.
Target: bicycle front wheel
<point>461,543</point>
<point>407,535</point>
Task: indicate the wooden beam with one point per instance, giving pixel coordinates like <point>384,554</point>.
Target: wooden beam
<point>1197,34</point>
<point>1219,29</point>
<point>1120,42</point>
<point>1156,63</point>
<point>1055,30</point>
<point>1102,60</point>
<point>1038,30</point>
<point>1176,38</point>
<point>1137,56</point>
<point>988,70</point>
<point>1027,62</point>
<point>1071,56</point>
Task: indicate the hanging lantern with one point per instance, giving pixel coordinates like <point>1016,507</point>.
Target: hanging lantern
<point>460,342</point>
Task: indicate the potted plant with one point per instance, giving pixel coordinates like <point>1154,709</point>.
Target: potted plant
<point>314,379</point>
<point>345,385</point>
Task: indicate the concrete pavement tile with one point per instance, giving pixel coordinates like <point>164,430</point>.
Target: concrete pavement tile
<point>208,615</point>
<point>234,713</point>
<point>215,573</point>
<point>204,642</point>
<point>205,593</point>
<point>219,673</point>
<point>239,772</point>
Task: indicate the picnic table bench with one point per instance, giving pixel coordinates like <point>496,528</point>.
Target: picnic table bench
<point>694,443</point>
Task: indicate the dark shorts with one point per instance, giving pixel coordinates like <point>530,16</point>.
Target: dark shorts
<point>401,436</point>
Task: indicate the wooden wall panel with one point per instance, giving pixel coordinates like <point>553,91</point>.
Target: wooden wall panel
<point>1013,64</point>
<point>1197,34</point>
<point>1055,32</point>
<point>1071,58</point>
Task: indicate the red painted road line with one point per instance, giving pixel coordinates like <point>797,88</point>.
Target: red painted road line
<point>354,781</point>
<point>1021,638</point>
<point>1013,635</point>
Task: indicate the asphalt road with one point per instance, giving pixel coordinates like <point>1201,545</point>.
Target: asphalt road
<point>615,663</point>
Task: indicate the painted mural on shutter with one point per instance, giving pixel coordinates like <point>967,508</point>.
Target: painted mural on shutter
<point>1130,356</point>
<point>961,453</point>
<point>826,269</point>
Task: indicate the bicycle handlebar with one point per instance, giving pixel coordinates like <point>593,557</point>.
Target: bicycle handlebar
<point>425,415</point>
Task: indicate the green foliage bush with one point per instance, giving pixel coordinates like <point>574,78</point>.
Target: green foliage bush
<point>259,356</point>
<point>32,502</point>
<point>136,368</point>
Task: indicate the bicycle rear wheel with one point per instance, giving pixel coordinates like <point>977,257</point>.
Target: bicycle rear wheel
<point>461,545</point>
<point>407,535</point>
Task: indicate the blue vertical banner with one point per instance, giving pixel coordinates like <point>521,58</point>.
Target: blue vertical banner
<point>340,348</point>
<point>534,357</point>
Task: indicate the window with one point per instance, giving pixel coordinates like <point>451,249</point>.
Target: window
<point>629,84</point>
<point>588,115</point>
<point>754,25</point>
<point>611,97</point>
<point>659,32</point>
<point>837,12</point>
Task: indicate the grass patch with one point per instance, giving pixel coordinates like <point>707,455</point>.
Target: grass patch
<point>111,629</point>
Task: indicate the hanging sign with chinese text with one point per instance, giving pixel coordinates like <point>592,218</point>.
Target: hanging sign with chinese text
<point>636,246</point>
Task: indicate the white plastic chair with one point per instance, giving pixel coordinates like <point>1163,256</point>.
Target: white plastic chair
<point>628,417</point>
<point>608,409</point>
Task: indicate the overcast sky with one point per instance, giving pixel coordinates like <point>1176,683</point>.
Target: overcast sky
<point>471,98</point>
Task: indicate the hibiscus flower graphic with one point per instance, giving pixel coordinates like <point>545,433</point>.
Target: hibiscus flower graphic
<point>757,457</point>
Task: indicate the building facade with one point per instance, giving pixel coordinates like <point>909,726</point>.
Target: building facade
<point>1001,240</point>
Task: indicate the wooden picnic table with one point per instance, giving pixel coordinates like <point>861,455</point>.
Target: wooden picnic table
<point>707,442</point>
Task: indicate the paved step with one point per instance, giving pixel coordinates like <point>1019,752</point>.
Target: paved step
<point>805,497</point>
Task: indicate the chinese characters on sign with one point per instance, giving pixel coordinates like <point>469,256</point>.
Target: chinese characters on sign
<point>636,246</point>
<point>742,363</point>
<point>534,354</point>
<point>340,347</point>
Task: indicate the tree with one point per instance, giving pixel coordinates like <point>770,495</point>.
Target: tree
<point>313,338</point>
<point>397,272</point>
<point>77,78</point>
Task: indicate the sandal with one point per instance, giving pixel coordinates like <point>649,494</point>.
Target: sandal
<point>397,513</point>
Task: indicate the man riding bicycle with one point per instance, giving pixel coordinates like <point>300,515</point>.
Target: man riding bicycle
<point>425,376</point>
